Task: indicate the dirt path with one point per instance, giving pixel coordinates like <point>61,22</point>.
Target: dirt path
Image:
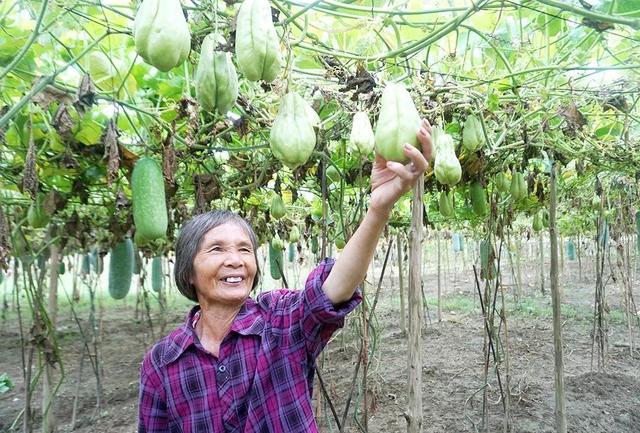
<point>452,382</point>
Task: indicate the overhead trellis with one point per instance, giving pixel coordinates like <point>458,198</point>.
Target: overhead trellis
<point>548,77</point>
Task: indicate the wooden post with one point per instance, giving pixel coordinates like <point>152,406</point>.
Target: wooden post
<point>49,385</point>
<point>541,248</point>
<point>413,415</point>
<point>560,412</point>
<point>403,324</point>
<point>439,277</point>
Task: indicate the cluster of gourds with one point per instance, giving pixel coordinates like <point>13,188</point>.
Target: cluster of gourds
<point>163,40</point>
<point>448,172</point>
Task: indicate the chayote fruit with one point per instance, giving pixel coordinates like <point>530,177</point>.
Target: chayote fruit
<point>446,167</point>
<point>216,78</point>
<point>294,234</point>
<point>292,136</point>
<point>518,186</point>
<point>277,243</point>
<point>537,222</point>
<point>361,138</point>
<point>445,204</point>
<point>472,135</point>
<point>478,199</point>
<point>162,34</point>
<point>37,216</point>
<point>502,182</point>
<point>277,207</point>
<point>398,123</point>
<point>257,45</point>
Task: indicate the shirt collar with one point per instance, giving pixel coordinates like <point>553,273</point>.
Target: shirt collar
<point>248,321</point>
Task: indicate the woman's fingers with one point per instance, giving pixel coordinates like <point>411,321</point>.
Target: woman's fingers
<point>402,171</point>
<point>424,135</point>
<point>419,162</point>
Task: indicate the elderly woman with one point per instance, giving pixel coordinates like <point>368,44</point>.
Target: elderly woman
<point>239,365</point>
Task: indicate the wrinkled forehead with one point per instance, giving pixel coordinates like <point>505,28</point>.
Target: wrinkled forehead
<point>230,232</point>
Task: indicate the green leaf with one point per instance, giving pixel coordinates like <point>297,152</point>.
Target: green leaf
<point>628,8</point>
<point>613,129</point>
<point>89,131</point>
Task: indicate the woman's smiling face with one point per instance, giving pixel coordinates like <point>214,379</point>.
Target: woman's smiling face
<point>225,266</point>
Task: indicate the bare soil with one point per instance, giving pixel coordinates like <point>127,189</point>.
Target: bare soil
<point>453,365</point>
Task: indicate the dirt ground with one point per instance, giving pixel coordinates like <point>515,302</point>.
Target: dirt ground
<point>453,365</point>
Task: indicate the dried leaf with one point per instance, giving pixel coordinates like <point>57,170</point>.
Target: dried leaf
<point>86,94</point>
<point>574,118</point>
<point>30,180</point>
<point>169,161</point>
<point>53,201</point>
<point>110,141</point>
<point>129,158</point>
<point>207,189</point>
<point>63,122</point>
<point>121,201</point>
<point>600,26</point>
<point>50,94</point>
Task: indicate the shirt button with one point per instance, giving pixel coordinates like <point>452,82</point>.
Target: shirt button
<point>222,369</point>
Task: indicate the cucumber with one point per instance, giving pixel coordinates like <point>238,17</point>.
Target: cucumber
<point>157,278</point>
<point>276,261</point>
<point>292,252</point>
<point>121,269</point>
<point>86,264</point>
<point>149,203</point>
<point>137,261</point>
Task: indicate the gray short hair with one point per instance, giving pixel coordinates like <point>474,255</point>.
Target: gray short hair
<point>190,240</point>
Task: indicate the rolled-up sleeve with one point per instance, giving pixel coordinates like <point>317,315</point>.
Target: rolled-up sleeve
<point>321,318</point>
<point>152,412</point>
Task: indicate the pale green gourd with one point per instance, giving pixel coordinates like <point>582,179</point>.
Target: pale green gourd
<point>257,46</point>
<point>447,168</point>
<point>216,78</point>
<point>472,135</point>
<point>293,137</point>
<point>361,138</point>
<point>398,123</point>
<point>162,34</point>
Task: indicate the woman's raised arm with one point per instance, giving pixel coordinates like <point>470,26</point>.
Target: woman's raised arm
<point>389,181</point>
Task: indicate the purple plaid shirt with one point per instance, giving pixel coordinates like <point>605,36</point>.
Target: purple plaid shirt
<point>263,378</point>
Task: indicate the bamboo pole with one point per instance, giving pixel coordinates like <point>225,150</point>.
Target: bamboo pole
<point>403,324</point>
<point>413,414</point>
<point>560,410</point>
<point>49,387</point>
<point>439,277</point>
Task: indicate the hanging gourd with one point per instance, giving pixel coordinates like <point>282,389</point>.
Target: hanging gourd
<point>149,202</point>
<point>446,167</point>
<point>277,207</point>
<point>162,34</point>
<point>398,123</point>
<point>478,199</point>
<point>537,222</point>
<point>216,78</point>
<point>361,138</point>
<point>293,137</point>
<point>472,135</point>
<point>518,186</point>
<point>502,182</point>
<point>294,235</point>
<point>257,46</point>
<point>445,204</point>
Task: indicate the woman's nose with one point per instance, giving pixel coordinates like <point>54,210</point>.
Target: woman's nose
<point>232,258</point>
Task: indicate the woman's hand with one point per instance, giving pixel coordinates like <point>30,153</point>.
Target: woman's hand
<point>390,180</point>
